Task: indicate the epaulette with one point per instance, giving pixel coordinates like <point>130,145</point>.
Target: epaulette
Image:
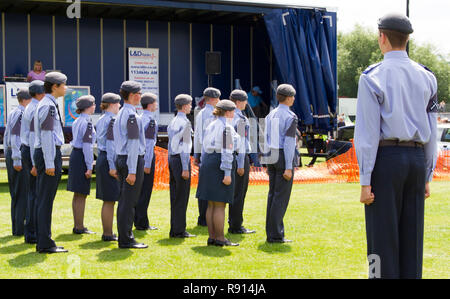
<point>426,68</point>
<point>371,68</point>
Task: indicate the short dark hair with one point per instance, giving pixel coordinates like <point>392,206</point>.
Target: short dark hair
<point>125,94</point>
<point>396,39</point>
<point>32,94</point>
<point>144,106</point>
<point>281,98</point>
<point>48,86</point>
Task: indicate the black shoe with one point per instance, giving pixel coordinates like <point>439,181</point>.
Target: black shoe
<point>211,242</point>
<point>82,231</point>
<point>110,238</point>
<point>241,230</point>
<point>225,243</point>
<point>55,249</point>
<point>279,240</point>
<point>134,245</point>
<point>183,235</point>
<point>146,228</point>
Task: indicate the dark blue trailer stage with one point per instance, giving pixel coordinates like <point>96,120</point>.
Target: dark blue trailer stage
<point>259,43</point>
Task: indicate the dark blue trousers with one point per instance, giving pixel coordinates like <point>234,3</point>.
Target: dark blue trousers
<point>140,215</point>
<point>236,209</point>
<point>179,196</point>
<point>395,221</point>
<point>30,189</point>
<point>18,195</point>
<point>129,196</point>
<point>202,206</point>
<point>278,198</point>
<point>46,191</point>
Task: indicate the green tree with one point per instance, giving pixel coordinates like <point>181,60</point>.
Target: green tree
<point>358,49</point>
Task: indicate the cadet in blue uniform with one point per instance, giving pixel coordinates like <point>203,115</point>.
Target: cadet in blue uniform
<point>395,142</point>
<point>179,150</point>
<point>150,105</point>
<point>202,120</point>
<point>281,125</point>
<point>242,127</point>
<point>36,90</point>
<point>105,168</point>
<point>216,179</point>
<point>81,161</point>
<point>47,157</point>
<point>16,175</point>
<point>129,141</point>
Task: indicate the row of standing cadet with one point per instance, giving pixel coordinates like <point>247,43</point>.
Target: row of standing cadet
<point>126,162</point>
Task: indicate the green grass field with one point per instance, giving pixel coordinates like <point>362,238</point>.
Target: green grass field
<point>326,222</point>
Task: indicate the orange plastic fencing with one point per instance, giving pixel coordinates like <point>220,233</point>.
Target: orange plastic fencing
<point>341,169</point>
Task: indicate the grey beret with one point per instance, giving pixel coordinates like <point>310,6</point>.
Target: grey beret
<point>226,105</point>
<point>183,99</point>
<point>148,98</point>
<point>36,86</point>
<point>395,22</point>
<point>211,92</point>
<point>55,78</point>
<point>23,94</point>
<point>286,90</point>
<point>131,86</point>
<point>238,95</point>
<point>110,97</point>
<point>84,102</point>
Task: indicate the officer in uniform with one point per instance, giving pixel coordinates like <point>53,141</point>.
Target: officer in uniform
<point>242,127</point>
<point>202,120</point>
<point>179,149</point>
<point>281,143</point>
<point>16,174</point>
<point>47,157</point>
<point>105,168</point>
<point>36,90</point>
<point>81,161</point>
<point>129,141</point>
<point>150,105</point>
<point>395,142</point>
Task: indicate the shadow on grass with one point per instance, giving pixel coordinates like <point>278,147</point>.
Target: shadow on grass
<point>6,239</point>
<point>113,255</point>
<point>274,247</point>
<point>99,244</point>
<point>212,251</point>
<point>236,238</point>
<point>27,260</point>
<point>171,241</point>
<point>16,248</point>
<point>68,237</point>
<point>198,230</point>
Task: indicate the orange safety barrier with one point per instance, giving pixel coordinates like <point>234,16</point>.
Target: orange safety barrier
<point>341,169</point>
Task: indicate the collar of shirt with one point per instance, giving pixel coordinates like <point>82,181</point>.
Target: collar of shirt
<point>283,106</point>
<point>34,101</point>
<point>209,107</point>
<point>49,95</point>
<point>129,106</point>
<point>84,115</point>
<point>21,107</point>
<point>395,55</point>
<point>109,113</point>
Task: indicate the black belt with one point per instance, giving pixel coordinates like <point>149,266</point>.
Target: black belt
<point>400,143</point>
<point>123,156</point>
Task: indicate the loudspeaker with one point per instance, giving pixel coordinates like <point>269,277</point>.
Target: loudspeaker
<point>213,63</point>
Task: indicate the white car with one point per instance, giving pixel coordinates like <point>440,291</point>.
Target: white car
<point>443,136</point>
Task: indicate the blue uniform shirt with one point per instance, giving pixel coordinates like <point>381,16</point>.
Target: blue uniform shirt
<point>241,125</point>
<point>27,128</point>
<point>151,133</point>
<point>129,136</point>
<point>180,141</point>
<point>84,137</point>
<point>393,97</point>
<point>220,137</point>
<point>12,134</point>
<point>280,132</point>
<point>202,120</point>
<point>105,141</point>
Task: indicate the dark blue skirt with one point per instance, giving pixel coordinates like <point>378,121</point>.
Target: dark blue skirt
<point>210,185</point>
<point>107,186</point>
<point>77,181</point>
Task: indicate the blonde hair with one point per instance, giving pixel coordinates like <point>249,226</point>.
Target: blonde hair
<point>218,112</point>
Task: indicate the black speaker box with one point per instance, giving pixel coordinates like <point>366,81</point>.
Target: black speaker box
<point>213,63</point>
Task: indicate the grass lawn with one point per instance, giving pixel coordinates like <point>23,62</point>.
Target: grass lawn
<point>326,222</point>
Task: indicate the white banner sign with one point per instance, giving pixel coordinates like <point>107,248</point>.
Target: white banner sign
<point>143,67</point>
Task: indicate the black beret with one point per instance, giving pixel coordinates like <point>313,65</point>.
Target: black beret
<point>36,86</point>
<point>110,97</point>
<point>148,98</point>
<point>131,86</point>
<point>211,92</point>
<point>238,95</point>
<point>286,90</point>
<point>183,99</point>
<point>84,102</point>
<point>395,22</point>
<point>226,105</point>
<point>55,78</point>
<point>23,94</point>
